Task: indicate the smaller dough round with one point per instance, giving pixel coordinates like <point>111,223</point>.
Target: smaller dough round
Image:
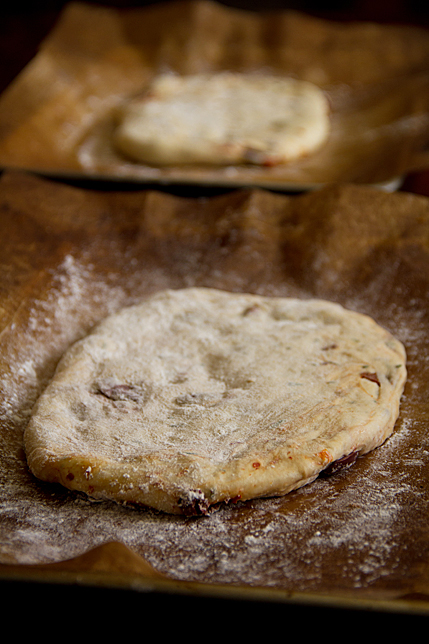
<point>224,119</point>
<point>199,396</point>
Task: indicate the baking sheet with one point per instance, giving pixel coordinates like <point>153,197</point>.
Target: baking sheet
<point>57,117</point>
<point>70,256</point>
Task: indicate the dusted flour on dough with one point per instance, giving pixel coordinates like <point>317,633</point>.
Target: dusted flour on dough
<point>223,119</point>
<point>199,396</point>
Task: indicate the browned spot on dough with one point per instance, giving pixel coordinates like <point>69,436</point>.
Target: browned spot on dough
<point>370,376</point>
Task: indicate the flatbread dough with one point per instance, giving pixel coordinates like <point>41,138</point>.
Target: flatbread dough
<point>199,396</point>
<point>224,119</point>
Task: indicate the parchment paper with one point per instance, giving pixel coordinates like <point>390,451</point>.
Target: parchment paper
<point>70,256</point>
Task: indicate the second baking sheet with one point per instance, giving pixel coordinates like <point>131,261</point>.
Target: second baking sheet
<point>58,116</point>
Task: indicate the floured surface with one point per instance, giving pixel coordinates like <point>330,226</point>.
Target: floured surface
<point>362,532</point>
<point>198,396</point>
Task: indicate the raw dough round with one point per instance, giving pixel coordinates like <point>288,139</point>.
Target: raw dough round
<point>224,119</point>
<point>199,396</point>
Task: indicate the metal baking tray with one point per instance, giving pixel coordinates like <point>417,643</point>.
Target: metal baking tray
<point>355,540</point>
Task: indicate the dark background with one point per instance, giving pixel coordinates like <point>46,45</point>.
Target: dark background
<point>24,24</point>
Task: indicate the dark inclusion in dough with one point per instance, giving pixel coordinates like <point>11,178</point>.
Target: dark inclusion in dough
<point>115,391</point>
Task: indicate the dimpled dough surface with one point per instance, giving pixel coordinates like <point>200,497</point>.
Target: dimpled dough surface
<point>198,396</point>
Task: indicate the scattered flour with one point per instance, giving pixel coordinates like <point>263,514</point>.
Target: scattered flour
<point>346,530</point>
